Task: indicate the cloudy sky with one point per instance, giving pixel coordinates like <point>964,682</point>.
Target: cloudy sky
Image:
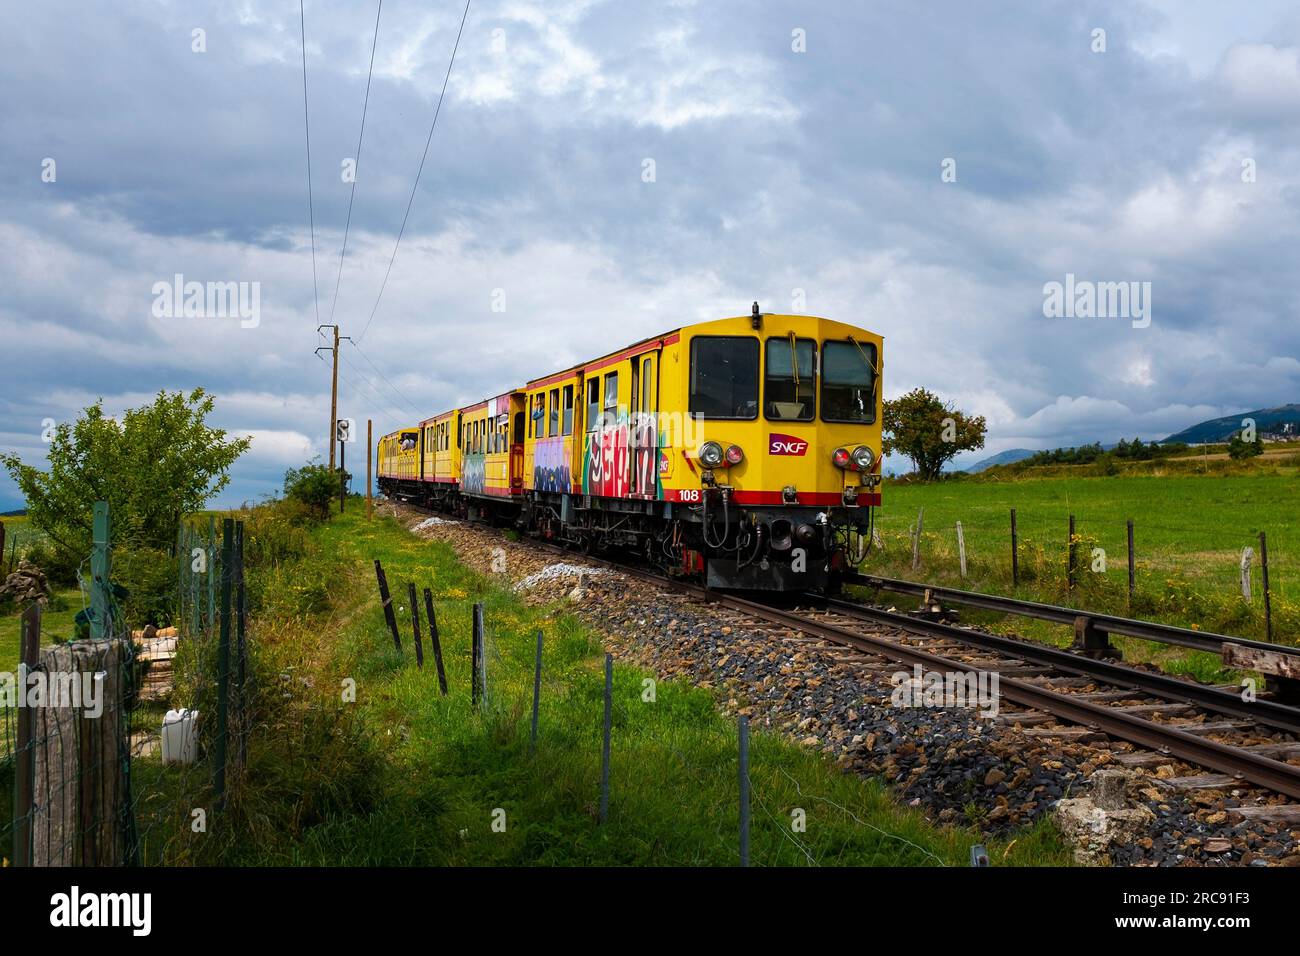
<point>794,147</point>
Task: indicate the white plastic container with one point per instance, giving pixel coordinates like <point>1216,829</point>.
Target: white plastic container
<point>180,736</point>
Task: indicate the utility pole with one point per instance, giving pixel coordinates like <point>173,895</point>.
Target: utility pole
<point>334,387</point>
<point>369,439</point>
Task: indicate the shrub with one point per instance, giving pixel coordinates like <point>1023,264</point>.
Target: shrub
<point>315,486</point>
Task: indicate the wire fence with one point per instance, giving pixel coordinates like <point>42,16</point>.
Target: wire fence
<point>1199,568</point>
<point>117,743</point>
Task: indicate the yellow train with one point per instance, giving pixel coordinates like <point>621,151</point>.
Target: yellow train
<point>745,450</point>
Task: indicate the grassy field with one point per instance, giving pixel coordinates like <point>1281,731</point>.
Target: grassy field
<point>404,776</point>
<point>1189,532</point>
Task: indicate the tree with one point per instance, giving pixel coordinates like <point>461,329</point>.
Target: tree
<point>921,427</point>
<point>1241,450</point>
<point>156,463</point>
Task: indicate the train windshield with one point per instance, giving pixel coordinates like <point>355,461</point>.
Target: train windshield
<point>849,382</point>
<point>724,376</point>
<point>789,387</point>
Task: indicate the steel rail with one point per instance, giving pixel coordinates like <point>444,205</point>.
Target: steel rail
<point>1111,624</point>
<point>1263,771</point>
<point>1267,712</point>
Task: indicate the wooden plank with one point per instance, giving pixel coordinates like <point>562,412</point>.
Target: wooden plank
<point>1257,659</point>
<point>1204,781</point>
<point>1285,813</point>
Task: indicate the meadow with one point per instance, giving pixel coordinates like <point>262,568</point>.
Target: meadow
<point>1189,533</point>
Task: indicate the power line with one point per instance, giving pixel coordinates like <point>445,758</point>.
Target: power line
<point>416,185</point>
<point>311,209</point>
<point>356,171</point>
<point>373,390</point>
<point>397,391</point>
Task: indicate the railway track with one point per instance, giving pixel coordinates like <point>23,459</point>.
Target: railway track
<point>1051,692</point>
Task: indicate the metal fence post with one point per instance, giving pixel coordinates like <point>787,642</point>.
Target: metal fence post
<point>100,571</point>
<point>1130,560</point>
<point>1071,557</point>
<point>241,652</point>
<point>476,655</point>
<point>744,791</point>
<point>537,693</point>
<point>1263,571</point>
<point>415,624</point>
<point>1015,553</point>
<point>25,756</point>
<point>433,640</point>
<point>604,750</point>
<point>223,662</point>
<point>387,600</point>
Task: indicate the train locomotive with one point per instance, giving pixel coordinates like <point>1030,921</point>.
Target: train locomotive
<point>744,451</point>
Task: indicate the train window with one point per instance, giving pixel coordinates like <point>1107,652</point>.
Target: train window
<point>789,385</point>
<point>849,382</point>
<point>648,384</point>
<point>724,376</point>
<point>539,414</point>
<point>553,427</point>
<point>519,428</point>
<point>611,399</point>
<point>593,403</point>
<point>567,420</point>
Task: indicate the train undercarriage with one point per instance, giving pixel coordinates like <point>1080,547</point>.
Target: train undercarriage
<point>772,548</point>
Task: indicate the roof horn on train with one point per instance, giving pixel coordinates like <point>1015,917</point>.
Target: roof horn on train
<point>756,318</point>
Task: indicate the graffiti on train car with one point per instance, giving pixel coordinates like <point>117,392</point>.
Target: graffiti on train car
<point>623,459</point>
<point>605,466</point>
<point>551,466</point>
<point>473,475</point>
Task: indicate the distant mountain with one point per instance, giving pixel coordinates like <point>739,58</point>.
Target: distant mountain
<point>1001,458</point>
<point>13,514</point>
<point>1221,429</point>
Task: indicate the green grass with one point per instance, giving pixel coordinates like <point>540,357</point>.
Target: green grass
<point>1189,531</point>
<point>405,776</point>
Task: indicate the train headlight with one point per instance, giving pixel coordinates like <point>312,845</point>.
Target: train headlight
<point>734,455</point>
<point>841,458</point>
<point>711,455</point>
<point>863,458</point>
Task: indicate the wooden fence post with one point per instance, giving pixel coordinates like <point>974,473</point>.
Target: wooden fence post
<point>241,653</point>
<point>433,640</point>
<point>2,550</point>
<point>1263,573</point>
<point>80,785</point>
<point>1247,554</point>
<point>415,624</point>
<point>916,540</point>
<point>387,600</point>
<point>961,549</point>
<point>1015,554</point>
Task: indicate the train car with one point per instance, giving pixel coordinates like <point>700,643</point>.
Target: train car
<point>398,458</point>
<point>440,458</point>
<point>746,449</point>
<point>492,463</point>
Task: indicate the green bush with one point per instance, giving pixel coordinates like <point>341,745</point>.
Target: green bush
<point>315,486</point>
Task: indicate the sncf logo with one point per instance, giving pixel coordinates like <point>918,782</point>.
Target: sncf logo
<point>786,445</point>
